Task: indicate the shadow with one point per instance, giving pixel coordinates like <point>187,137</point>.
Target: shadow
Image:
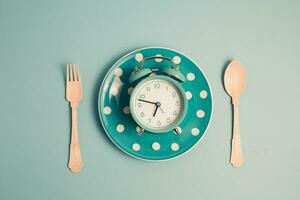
<point>63,68</point>
<point>63,71</point>
<point>224,67</point>
<point>94,99</point>
<point>95,93</point>
<point>223,71</point>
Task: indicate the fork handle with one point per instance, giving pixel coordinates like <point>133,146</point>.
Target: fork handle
<point>75,162</point>
<point>236,148</point>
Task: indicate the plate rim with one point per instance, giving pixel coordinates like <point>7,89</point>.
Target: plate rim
<point>102,85</point>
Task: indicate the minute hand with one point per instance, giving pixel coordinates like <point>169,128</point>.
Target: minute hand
<point>147,101</point>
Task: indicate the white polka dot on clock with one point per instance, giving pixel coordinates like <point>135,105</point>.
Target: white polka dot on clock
<point>120,128</point>
<point>200,113</point>
<point>155,146</point>
<point>139,57</point>
<point>176,59</point>
<point>130,89</point>
<point>136,147</point>
<point>195,131</point>
<point>188,95</point>
<point>190,76</point>
<point>158,59</point>
<point>107,110</point>
<point>203,94</point>
<point>118,72</point>
<point>174,146</point>
<point>126,110</point>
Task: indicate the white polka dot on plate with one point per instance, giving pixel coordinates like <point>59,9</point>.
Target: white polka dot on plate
<point>200,113</point>
<point>139,57</point>
<point>113,91</point>
<point>203,94</point>
<point>155,146</point>
<point>126,110</point>
<point>176,59</point>
<point>107,110</point>
<point>118,72</point>
<point>188,95</point>
<point>136,147</point>
<point>158,59</point>
<point>130,89</point>
<point>139,129</point>
<point>195,131</point>
<point>190,76</point>
<point>174,146</point>
<point>120,128</point>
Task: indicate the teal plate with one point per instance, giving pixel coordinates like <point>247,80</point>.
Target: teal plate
<point>113,105</point>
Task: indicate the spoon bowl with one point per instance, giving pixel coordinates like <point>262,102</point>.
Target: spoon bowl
<point>235,79</point>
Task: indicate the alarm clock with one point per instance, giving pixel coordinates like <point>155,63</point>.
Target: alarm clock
<point>158,102</point>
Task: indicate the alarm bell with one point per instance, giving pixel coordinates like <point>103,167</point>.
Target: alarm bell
<point>141,72</point>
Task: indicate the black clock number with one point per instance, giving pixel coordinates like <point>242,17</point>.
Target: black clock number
<point>168,120</point>
<point>142,114</point>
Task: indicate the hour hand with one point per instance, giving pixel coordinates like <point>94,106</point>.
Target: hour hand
<point>155,111</point>
<point>147,101</point>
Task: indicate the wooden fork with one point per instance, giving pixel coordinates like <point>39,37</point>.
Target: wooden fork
<point>74,95</point>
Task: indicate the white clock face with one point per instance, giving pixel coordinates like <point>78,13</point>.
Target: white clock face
<point>157,104</point>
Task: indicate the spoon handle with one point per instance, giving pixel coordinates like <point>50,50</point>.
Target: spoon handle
<point>236,148</point>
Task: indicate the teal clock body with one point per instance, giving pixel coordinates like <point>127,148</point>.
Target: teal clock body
<point>158,104</point>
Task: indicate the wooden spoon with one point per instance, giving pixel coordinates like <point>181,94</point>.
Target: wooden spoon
<point>235,84</point>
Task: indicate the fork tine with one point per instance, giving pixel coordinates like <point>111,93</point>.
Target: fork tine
<point>78,73</point>
<point>71,72</point>
<point>75,73</point>
<point>67,74</point>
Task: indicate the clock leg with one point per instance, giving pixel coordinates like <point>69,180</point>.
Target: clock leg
<point>139,130</point>
<point>177,130</point>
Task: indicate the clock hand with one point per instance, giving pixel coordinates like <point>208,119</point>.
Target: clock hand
<point>155,111</point>
<point>161,109</point>
<point>158,105</point>
<point>147,101</point>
